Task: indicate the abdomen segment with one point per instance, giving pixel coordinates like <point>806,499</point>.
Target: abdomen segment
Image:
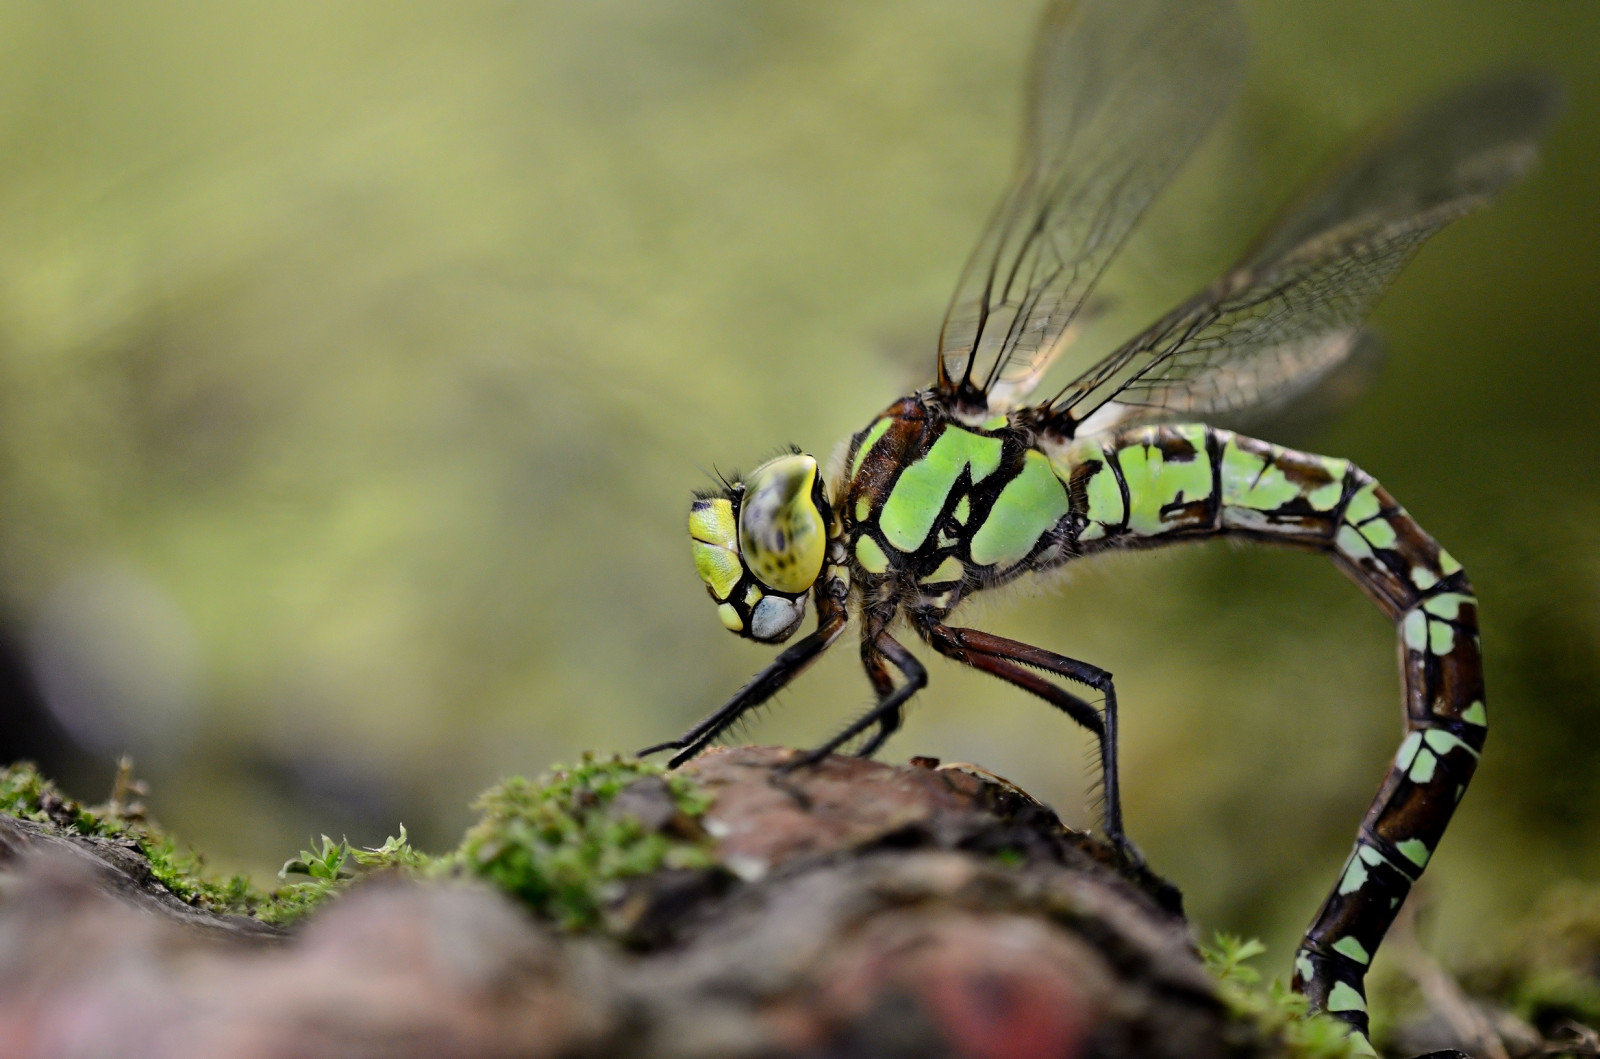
<point>1152,485</point>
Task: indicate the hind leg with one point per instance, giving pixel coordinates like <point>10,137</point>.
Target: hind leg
<point>1006,659</point>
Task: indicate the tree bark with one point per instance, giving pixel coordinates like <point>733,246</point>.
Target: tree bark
<point>854,909</point>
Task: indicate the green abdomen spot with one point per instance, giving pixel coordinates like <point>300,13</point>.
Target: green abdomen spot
<point>1085,464</point>
<point>1257,476</point>
<point>1029,505</point>
<point>920,492</point>
<point>1160,480</point>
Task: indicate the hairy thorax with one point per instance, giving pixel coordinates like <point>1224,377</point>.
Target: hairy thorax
<point>934,508</point>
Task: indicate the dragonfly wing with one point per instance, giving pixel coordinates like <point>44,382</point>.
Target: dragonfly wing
<point>1119,93</point>
<point>1291,310</point>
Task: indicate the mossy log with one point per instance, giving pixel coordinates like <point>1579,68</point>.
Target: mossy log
<point>851,909</point>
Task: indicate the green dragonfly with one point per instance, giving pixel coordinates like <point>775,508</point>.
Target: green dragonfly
<point>968,485</point>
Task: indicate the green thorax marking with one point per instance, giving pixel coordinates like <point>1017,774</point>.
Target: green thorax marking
<point>874,435</point>
<point>919,494</point>
<point>870,556</point>
<point>950,570</point>
<point>1026,509</point>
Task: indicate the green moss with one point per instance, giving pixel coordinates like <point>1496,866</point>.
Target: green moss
<point>1548,995</point>
<point>553,844</point>
<point>21,792</point>
<point>556,846</point>
<point>1273,1011</point>
<point>1010,857</point>
<point>27,795</point>
<point>183,872</point>
<point>1547,970</point>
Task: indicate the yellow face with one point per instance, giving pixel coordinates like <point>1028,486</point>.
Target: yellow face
<point>760,549</point>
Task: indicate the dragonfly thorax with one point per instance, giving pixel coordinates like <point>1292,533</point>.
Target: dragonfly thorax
<point>759,546</point>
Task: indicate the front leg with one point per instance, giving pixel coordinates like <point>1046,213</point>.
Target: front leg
<point>886,714</point>
<point>1005,658</point>
<point>762,687</point>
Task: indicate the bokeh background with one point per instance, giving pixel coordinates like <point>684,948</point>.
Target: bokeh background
<point>357,362</point>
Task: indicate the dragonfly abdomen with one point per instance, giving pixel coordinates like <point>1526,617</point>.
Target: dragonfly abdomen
<point>1150,485</point>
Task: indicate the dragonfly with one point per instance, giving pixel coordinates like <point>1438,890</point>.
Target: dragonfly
<point>973,483</point>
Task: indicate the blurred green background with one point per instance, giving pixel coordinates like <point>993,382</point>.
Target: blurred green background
<point>357,362</point>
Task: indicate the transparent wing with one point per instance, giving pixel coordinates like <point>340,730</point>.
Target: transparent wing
<point>1292,414</point>
<point>1119,92</point>
<point>1291,310</point>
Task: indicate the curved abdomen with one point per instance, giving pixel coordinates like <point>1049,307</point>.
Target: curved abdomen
<point>1152,485</point>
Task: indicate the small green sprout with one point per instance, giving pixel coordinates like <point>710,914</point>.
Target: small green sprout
<point>330,868</point>
<point>326,864</point>
<point>1276,1010</point>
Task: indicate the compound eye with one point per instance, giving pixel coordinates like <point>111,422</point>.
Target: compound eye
<point>782,537</point>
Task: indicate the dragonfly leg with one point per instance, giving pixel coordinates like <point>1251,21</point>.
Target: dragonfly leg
<point>887,726</point>
<point>886,714</point>
<point>1005,659</point>
<point>883,683</point>
<point>761,687</point>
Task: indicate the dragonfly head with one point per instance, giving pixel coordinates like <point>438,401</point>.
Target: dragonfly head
<point>759,546</point>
